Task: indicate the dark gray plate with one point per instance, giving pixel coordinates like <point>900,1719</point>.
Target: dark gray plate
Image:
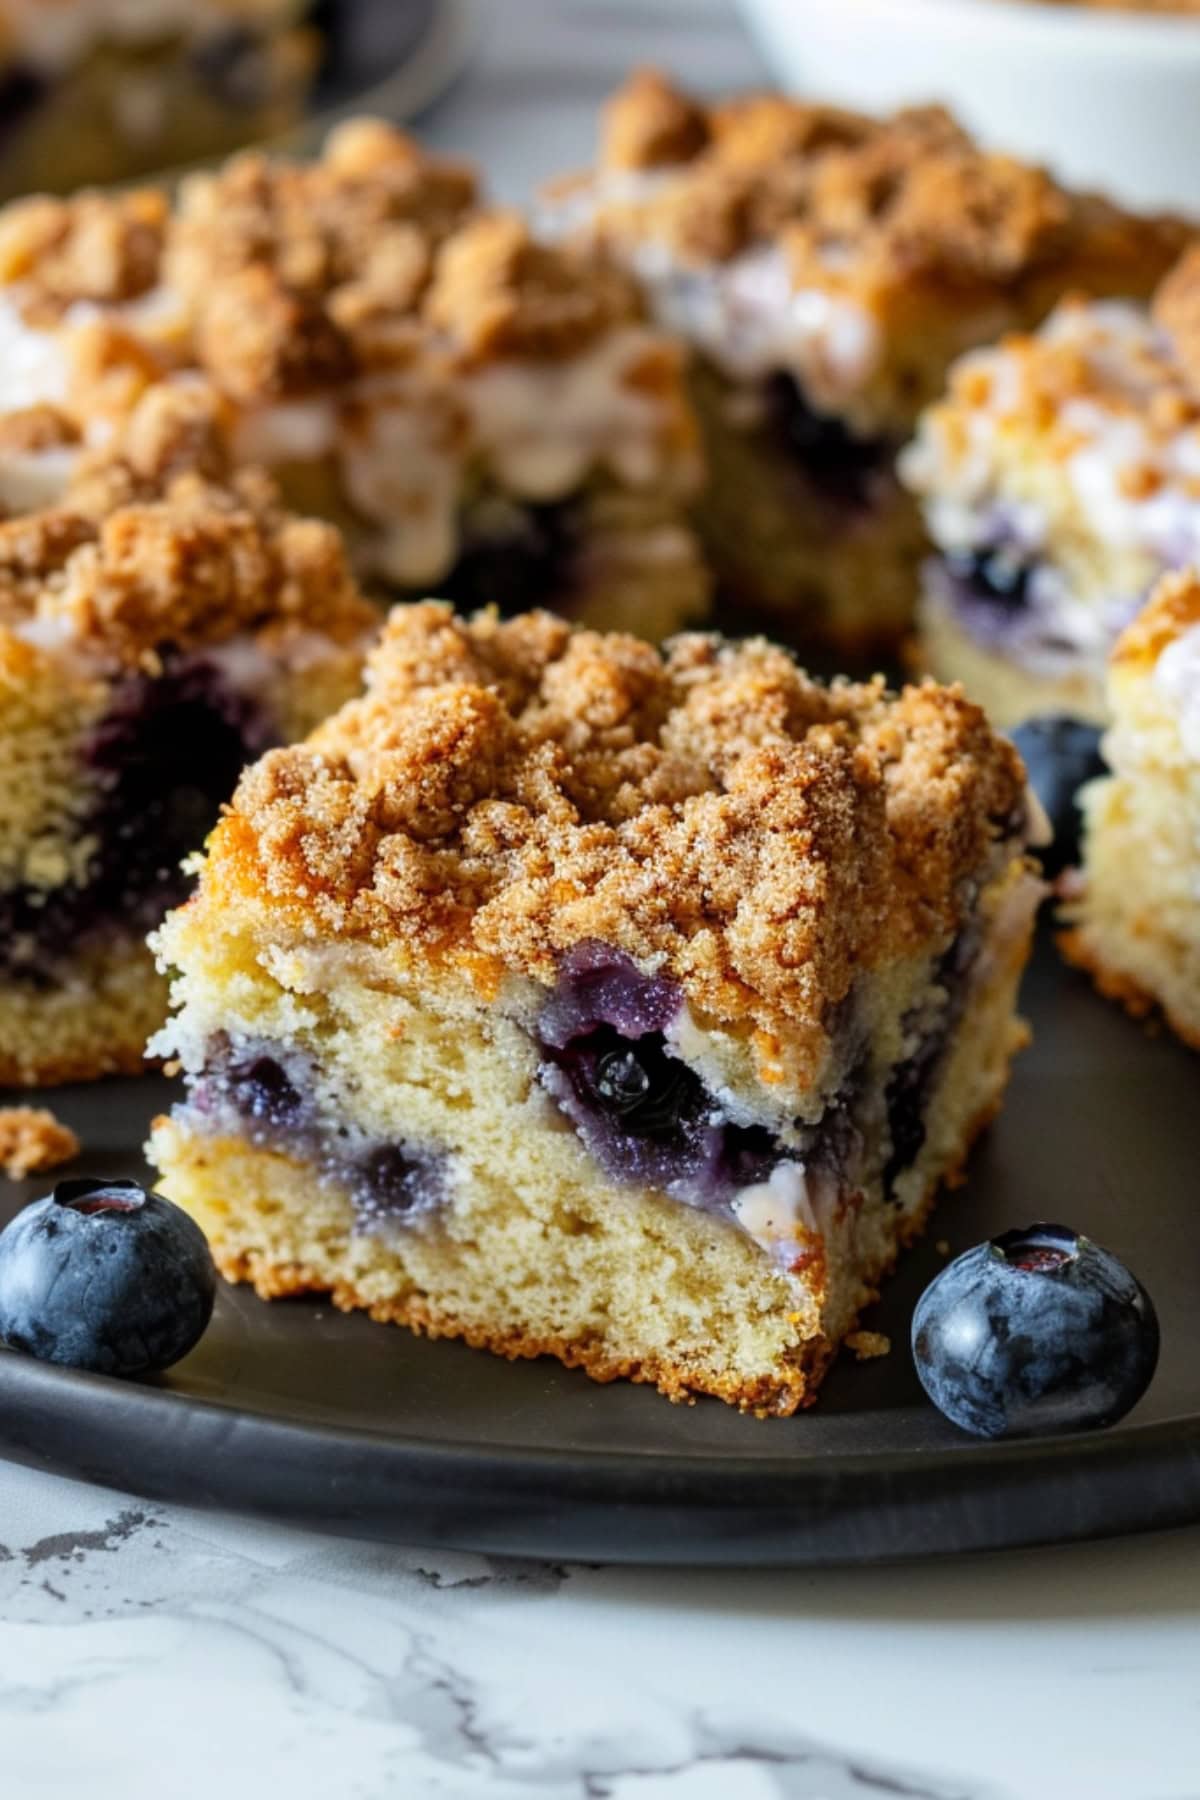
<point>295,1411</point>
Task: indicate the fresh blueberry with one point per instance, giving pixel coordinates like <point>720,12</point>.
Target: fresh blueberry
<point>103,1275</point>
<point>1060,754</point>
<point>1036,1331</point>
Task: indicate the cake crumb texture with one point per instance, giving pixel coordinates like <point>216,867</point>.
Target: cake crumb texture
<point>1131,917</point>
<point>96,1022</point>
<point>541,1254</point>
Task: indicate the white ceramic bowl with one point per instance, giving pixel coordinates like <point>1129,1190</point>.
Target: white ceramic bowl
<point>1106,99</point>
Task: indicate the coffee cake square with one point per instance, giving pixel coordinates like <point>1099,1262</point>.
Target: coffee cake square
<point>483,416</point>
<point>161,626</point>
<point>572,997</point>
<point>1060,478</point>
<point>826,268</point>
<point>1132,911</point>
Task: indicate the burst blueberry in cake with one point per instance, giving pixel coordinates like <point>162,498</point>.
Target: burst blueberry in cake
<point>162,626</point>
<point>483,415</point>
<point>104,91</point>
<point>827,268</point>
<point>724,959</point>
<point>1060,479</point>
<point>1132,912</point>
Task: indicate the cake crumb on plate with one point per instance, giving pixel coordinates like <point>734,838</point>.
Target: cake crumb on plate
<point>32,1139</point>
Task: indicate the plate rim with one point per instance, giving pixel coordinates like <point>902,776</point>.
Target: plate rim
<point>602,1505</point>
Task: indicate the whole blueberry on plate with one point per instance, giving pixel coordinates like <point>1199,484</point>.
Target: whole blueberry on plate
<point>1060,754</point>
<point>1036,1331</point>
<point>103,1275</point>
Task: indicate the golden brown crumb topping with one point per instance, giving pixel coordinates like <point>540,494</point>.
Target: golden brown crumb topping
<point>36,428</point>
<point>279,279</point>
<point>648,122</point>
<point>295,274</point>
<point>157,544</point>
<point>907,194</point>
<point>32,1139</point>
<point>497,292</point>
<point>99,247</point>
<point>1173,607</point>
<point>506,789</point>
<point>1087,364</point>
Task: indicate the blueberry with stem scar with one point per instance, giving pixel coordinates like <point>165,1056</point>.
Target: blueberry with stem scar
<point>103,1275</point>
<point>1037,1331</point>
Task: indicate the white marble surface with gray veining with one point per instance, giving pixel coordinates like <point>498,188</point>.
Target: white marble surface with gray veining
<point>153,1653</point>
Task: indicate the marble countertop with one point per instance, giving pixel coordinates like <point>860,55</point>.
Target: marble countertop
<point>151,1653</point>
<point>155,1653</point>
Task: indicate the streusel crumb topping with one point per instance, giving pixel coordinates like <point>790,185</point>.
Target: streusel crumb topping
<point>297,274</point>
<point>156,543</point>
<point>1172,609</point>
<point>1093,368</point>
<point>94,246</point>
<point>910,194</point>
<point>506,789</point>
<point>497,292</point>
<point>648,122</point>
<point>37,428</point>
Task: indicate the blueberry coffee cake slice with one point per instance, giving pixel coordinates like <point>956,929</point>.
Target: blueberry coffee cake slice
<point>484,416</point>
<point>572,997</point>
<point>1060,479</point>
<point>107,90</point>
<point>159,628</point>
<point>1133,911</point>
<point>826,268</point>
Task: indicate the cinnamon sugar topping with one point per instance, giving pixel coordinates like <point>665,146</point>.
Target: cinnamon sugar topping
<point>507,789</point>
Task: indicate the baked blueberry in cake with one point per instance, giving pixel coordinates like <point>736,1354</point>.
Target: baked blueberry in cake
<point>1060,478</point>
<point>1132,911</point>
<point>481,414</point>
<point>159,628</point>
<point>573,997</point>
<point>826,268</point>
<point>105,91</point>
